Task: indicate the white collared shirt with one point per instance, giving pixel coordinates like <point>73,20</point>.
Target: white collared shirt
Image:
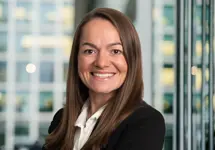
<point>85,127</point>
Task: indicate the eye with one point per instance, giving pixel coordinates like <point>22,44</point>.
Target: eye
<point>89,51</point>
<point>116,51</point>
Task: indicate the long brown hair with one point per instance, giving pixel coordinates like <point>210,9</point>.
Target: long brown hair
<point>119,106</point>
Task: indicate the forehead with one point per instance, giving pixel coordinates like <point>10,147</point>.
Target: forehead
<point>99,28</point>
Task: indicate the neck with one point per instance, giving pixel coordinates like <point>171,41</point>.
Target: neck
<point>97,100</point>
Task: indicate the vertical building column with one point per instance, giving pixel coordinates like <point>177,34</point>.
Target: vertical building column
<point>34,89</point>
<point>189,75</point>
<point>179,114</point>
<point>58,57</point>
<point>10,84</point>
<point>144,27</point>
<point>203,69</point>
<point>211,75</point>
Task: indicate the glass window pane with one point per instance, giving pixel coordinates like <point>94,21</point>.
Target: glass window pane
<point>48,13</point>
<point>3,12</point>
<point>46,72</point>
<point>45,51</point>
<point>22,129</point>
<point>168,103</point>
<point>23,42</point>
<point>21,74</point>
<point>168,15</point>
<point>67,43</point>
<point>47,43</point>
<point>167,77</point>
<point>2,140</point>
<point>197,103</point>
<point>22,99</point>
<point>68,17</point>
<point>3,41</point>
<point>168,142</point>
<point>46,101</point>
<point>43,132</point>
<point>23,12</point>
<point>2,101</point>
<point>168,47</point>
<point>3,70</point>
<point>198,15</point>
<point>65,71</point>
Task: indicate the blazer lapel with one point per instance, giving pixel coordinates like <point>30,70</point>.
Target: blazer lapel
<point>95,126</point>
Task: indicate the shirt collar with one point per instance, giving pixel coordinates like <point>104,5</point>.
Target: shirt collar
<point>80,122</point>
<point>82,118</point>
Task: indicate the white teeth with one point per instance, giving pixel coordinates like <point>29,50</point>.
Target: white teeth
<point>103,75</point>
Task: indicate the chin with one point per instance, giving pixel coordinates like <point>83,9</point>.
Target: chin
<point>103,91</point>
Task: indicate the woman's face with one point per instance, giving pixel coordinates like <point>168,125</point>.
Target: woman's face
<point>101,64</point>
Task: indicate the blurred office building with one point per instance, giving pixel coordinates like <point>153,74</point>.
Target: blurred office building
<point>35,42</point>
<point>178,61</point>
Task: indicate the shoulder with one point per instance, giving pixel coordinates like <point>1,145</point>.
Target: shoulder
<point>143,128</point>
<point>145,112</point>
<point>56,120</point>
<point>145,119</point>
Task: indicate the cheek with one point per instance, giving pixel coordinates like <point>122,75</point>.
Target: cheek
<point>84,65</point>
<point>81,65</point>
<point>122,65</point>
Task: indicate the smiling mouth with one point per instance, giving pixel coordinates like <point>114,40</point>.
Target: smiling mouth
<point>102,75</point>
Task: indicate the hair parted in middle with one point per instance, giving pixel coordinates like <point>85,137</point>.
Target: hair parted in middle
<point>121,105</point>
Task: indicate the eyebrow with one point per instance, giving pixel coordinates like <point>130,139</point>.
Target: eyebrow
<point>94,46</point>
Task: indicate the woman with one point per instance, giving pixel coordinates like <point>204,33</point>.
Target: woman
<point>104,107</point>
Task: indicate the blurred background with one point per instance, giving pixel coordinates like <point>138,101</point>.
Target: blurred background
<point>35,42</point>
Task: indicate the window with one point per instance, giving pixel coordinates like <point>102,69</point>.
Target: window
<point>24,42</point>
<point>68,17</point>
<point>65,71</point>
<point>22,129</point>
<point>168,47</point>
<point>46,101</point>
<point>48,13</point>
<point>23,12</point>
<point>167,76</point>
<point>21,74</point>
<point>47,43</point>
<point>2,100</point>
<point>2,140</point>
<point>43,128</point>
<point>3,70</point>
<point>168,15</point>
<point>3,41</point>
<point>45,51</point>
<point>22,99</point>
<point>46,72</point>
<point>3,12</point>
<point>168,103</point>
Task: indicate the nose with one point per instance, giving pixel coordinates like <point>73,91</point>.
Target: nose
<point>102,60</point>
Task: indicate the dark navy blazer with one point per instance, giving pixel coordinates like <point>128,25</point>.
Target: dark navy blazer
<point>144,129</point>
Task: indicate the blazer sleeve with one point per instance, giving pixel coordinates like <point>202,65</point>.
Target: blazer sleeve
<point>55,121</point>
<point>145,133</point>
